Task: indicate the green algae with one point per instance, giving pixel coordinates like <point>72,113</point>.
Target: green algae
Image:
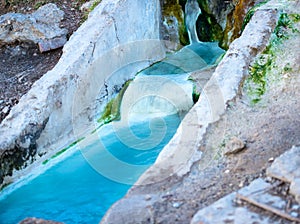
<point>63,150</point>
<point>258,80</point>
<point>173,8</point>
<point>5,185</point>
<point>208,28</point>
<point>112,109</point>
<point>263,67</point>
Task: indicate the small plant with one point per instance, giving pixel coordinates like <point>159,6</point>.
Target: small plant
<point>284,22</point>
<point>295,17</point>
<point>257,81</point>
<point>39,4</point>
<point>256,84</point>
<point>93,6</point>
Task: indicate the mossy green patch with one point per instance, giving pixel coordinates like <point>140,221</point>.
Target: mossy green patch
<point>257,81</point>
<point>285,23</point>
<point>63,150</point>
<point>208,28</point>
<point>112,109</point>
<point>263,66</point>
<point>173,8</point>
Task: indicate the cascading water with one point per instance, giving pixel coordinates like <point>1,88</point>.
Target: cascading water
<point>192,12</point>
<point>80,185</point>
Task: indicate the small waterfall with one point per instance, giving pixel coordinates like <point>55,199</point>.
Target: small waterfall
<point>163,88</point>
<point>192,11</point>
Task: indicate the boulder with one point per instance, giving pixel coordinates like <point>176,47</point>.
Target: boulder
<point>40,27</point>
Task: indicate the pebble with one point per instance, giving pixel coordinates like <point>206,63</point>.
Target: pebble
<point>5,110</point>
<point>234,145</point>
<point>147,197</point>
<point>227,171</point>
<point>238,201</point>
<point>269,179</point>
<point>271,159</point>
<point>20,79</point>
<point>241,184</point>
<point>177,204</point>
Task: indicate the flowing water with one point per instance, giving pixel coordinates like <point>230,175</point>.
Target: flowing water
<point>78,186</point>
<point>192,11</point>
<point>71,191</point>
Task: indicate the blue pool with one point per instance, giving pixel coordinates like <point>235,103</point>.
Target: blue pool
<point>71,190</point>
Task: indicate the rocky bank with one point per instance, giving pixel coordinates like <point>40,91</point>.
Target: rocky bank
<point>61,104</point>
<point>248,109</point>
<point>61,109</point>
<point>231,136</point>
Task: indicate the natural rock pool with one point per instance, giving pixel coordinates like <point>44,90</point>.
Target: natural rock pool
<point>80,185</point>
<point>71,191</point>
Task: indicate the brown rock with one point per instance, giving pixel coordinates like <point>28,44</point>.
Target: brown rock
<point>47,45</point>
<point>234,145</point>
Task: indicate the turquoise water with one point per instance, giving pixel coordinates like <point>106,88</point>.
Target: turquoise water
<point>190,58</point>
<point>71,191</point>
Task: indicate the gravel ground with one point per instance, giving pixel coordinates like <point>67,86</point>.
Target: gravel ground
<point>22,64</point>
